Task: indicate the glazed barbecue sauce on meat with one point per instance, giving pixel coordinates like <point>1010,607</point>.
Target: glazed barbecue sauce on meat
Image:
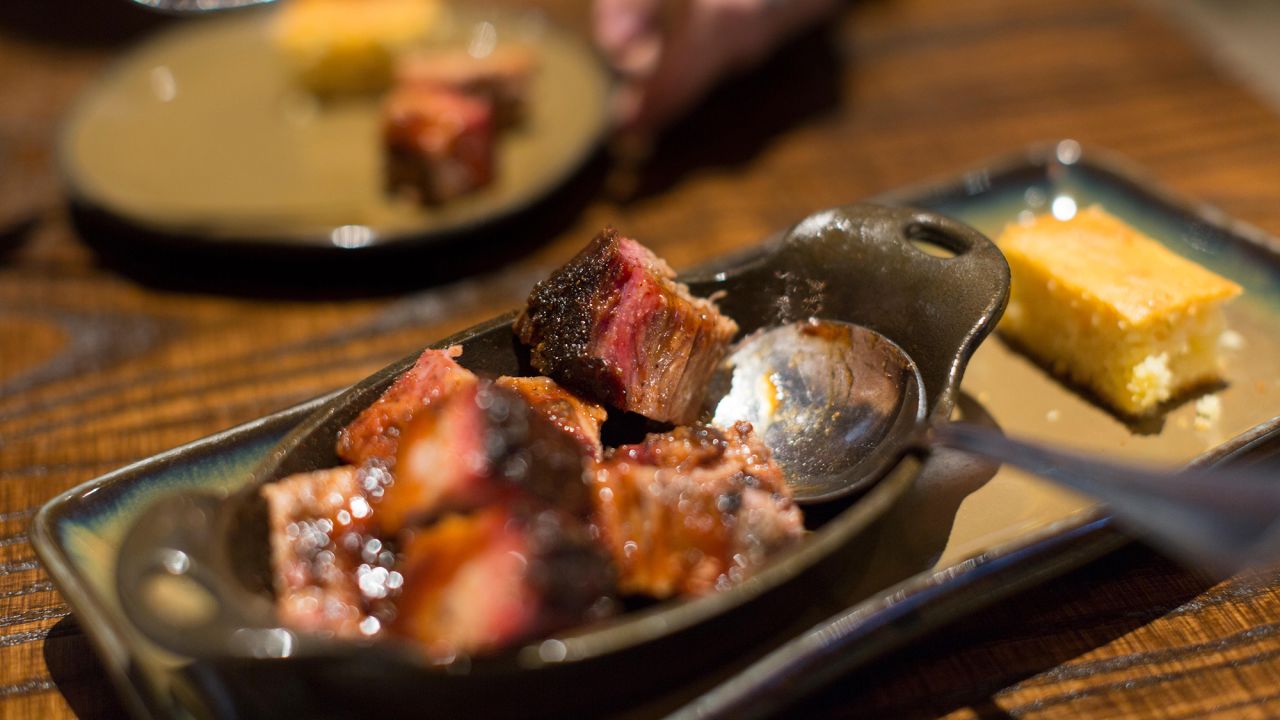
<point>574,416</point>
<point>489,506</point>
<point>694,510</point>
<point>374,435</point>
<point>334,573</point>
<point>483,444</point>
<point>480,582</point>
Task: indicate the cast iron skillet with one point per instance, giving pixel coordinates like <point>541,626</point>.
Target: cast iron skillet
<point>860,264</point>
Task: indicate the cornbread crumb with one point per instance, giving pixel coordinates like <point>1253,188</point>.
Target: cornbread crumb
<point>1053,416</point>
<point>1113,310</point>
<point>1231,340</point>
<point>1151,380</point>
<point>349,46</point>
<point>1208,412</point>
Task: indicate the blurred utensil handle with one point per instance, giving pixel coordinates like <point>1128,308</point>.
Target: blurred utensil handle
<point>1218,519</point>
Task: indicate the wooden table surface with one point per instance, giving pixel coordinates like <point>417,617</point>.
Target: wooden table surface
<point>103,362</point>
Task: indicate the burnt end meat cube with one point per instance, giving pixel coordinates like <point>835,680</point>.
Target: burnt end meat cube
<point>578,418</point>
<point>438,143</point>
<point>478,583</point>
<point>504,77</point>
<point>375,434</point>
<point>692,511</point>
<point>317,522</point>
<point>613,325</point>
<point>482,444</point>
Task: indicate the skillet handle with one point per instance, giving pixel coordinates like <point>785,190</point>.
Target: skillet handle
<point>862,264</point>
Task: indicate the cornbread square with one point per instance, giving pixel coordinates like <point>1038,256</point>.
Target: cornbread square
<point>1112,309</point>
<point>349,46</point>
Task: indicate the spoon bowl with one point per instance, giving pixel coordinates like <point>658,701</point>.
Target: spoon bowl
<point>829,398</point>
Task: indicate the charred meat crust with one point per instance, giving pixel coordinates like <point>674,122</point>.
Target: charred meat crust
<point>568,304</point>
<point>614,325</point>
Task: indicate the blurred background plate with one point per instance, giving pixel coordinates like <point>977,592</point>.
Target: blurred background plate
<point>201,138</point>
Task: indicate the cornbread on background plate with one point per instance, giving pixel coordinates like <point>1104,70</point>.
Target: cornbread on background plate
<point>1112,309</point>
<point>349,46</point>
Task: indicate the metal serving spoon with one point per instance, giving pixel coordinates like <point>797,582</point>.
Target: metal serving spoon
<point>839,403</point>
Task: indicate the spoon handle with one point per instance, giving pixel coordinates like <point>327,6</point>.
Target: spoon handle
<point>1218,519</point>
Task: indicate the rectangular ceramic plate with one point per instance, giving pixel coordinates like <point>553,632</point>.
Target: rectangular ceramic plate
<point>966,535</point>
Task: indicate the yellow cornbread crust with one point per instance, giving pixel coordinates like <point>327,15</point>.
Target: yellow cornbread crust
<point>1112,309</point>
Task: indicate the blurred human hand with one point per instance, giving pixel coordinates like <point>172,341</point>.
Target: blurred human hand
<point>669,53</point>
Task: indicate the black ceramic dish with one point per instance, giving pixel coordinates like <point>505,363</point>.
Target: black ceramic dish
<point>859,264</point>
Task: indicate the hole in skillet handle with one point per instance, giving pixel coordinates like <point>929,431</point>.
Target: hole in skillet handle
<point>939,236</point>
<point>931,242</point>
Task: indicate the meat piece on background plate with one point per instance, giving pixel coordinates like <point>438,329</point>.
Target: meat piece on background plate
<point>374,435</point>
<point>318,523</point>
<point>503,77</point>
<point>694,510</point>
<point>613,325</point>
<point>438,144</point>
<point>481,582</point>
<point>482,444</point>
